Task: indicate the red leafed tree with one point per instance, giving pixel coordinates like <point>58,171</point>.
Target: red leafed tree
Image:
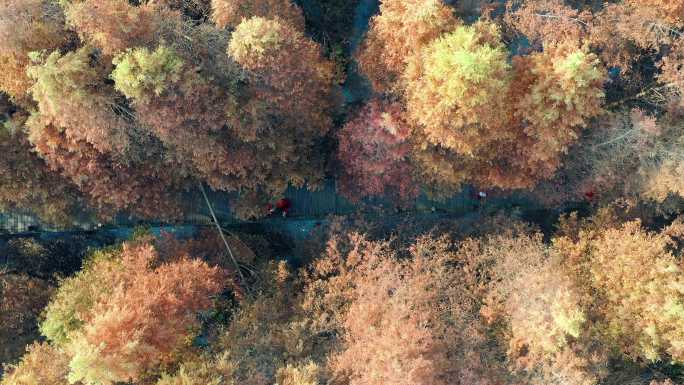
<point>548,21</point>
<point>374,151</point>
<point>626,31</point>
<point>402,320</point>
<point>71,94</point>
<point>22,298</point>
<point>186,112</point>
<point>151,312</point>
<point>555,93</point>
<point>147,190</point>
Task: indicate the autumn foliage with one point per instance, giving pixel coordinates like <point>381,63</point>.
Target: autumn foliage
<point>116,108</point>
<point>374,152</point>
<point>397,34</point>
<point>25,27</point>
<point>135,104</point>
<point>230,13</point>
<point>106,318</point>
<point>598,299</point>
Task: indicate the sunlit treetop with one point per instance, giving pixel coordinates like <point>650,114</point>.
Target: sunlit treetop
<point>106,317</point>
<point>71,93</point>
<point>139,72</point>
<point>115,25</point>
<point>397,34</point>
<point>230,13</point>
<point>556,93</point>
<point>458,85</point>
<point>289,68</point>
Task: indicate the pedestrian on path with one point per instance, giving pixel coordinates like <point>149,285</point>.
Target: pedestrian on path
<point>283,204</point>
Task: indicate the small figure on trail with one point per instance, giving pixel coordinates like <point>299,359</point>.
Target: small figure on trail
<point>589,195</point>
<point>481,196</point>
<point>284,205</point>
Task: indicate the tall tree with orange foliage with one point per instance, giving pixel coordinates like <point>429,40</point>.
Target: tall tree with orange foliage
<point>288,70</point>
<point>22,299</point>
<point>402,321</point>
<point>230,13</point>
<point>555,94</point>
<point>457,84</point>
<point>43,364</point>
<point>397,35</point>
<point>114,25</point>
<point>111,328</point>
<point>28,183</point>
<point>27,26</point>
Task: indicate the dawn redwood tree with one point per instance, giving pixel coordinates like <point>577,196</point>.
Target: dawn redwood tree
<point>556,93</point>
<point>639,279</point>
<point>109,185</point>
<point>42,364</point>
<point>114,25</point>
<point>71,94</point>
<point>476,115</point>
<point>457,87</point>
<point>548,21</point>
<point>397,34</point>
<point>106,318</point>
<point>467,100</point>
<point>568,308</point>
<point>137,115</point>
<point>535,306</point>
<point>79,134</point>
<point>612,160</point>
<point>374,153</point>
<point>26,26</point>
<point>27,182</point>
<point>248,120</point>
<point>407,320</point>
<point>185,112</point>
<point>289,102</point>
<point>230,13</point>
<point>288,70</point>
<point>22,299</point>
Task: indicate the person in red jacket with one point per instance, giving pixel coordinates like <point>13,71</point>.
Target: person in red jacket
<point>284,205</point>
<point>589,195</point>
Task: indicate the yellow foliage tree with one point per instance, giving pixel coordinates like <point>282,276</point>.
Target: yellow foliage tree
<point>457,88</point>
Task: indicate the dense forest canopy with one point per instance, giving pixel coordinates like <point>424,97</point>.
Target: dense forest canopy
<point>123,106</point>
<point>493,301</point>
<point>113,107</point>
